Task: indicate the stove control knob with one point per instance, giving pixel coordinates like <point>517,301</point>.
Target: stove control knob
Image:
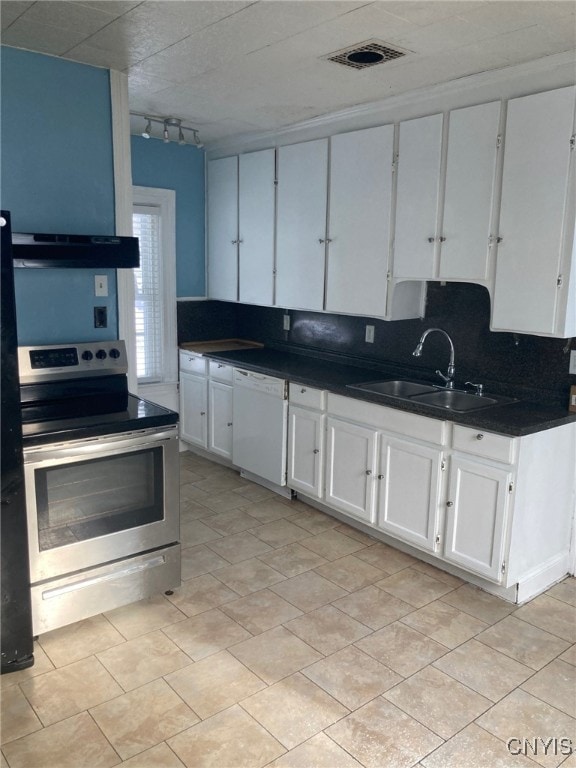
<point>101,354</point>
<point>114,353</point>
<point>87,355</point>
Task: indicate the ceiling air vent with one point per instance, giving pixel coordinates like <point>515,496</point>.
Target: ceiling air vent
<point>366,54</point>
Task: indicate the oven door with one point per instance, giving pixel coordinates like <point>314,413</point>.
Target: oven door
<point>93,501</point>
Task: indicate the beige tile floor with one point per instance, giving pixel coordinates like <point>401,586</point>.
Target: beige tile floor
<point>297,642</point>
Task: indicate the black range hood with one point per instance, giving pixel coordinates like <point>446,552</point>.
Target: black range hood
<point>90,251</point>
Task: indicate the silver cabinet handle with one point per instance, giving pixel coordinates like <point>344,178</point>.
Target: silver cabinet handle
<point>202,413</point>
<point>316,450</point>
<point>381,477</point>
<point>229,424</point>
<point>431,239</point>
<point>479,436</point>
<point>449,503</point>
<point>303,390</point>
<point>220,365</point>
<point>442,239</point>
<point>324,240</point>
<point>368,471</point>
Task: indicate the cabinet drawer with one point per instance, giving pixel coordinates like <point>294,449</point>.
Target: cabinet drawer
<point>220,371</point>
<point>193,363</point>
<point>389,419</point>
<point>307,396</point>
<point>486,444</point>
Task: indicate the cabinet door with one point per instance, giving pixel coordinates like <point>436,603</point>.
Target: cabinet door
<point>409,478</point>
<point>306,451</point>
<point>477,511</point>
<point>359,224</point>
<point>350,468</point>
<point>193,409</point>
<point>301,225</point>
<point>222,208</point>
<point>220,411</point>
<point>537,168</point>
<point>419,159</point>
<point>469,192</point>
<point>256,210</point>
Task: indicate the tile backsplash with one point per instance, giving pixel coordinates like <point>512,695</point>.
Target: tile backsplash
<point>518,362</point>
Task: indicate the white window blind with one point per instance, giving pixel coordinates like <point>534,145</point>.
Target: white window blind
<point>149,296</point>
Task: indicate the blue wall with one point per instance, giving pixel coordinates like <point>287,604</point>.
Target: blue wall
<point>181,168</point>
<point>57,176</point>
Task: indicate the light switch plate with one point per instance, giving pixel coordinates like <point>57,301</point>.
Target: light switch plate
<point>286,319</point>
<point>572,368</point>
<point>370,334</point>
<point>100,285</point>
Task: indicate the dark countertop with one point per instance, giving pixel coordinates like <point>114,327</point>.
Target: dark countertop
<point>523,417</point>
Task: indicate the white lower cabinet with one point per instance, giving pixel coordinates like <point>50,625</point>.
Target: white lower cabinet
<point>206,418</point>
<point>350,468</point>
<point>477,512</point>
<point>194,409</point>
<point>409,486</point>
<point>306,432</point>
<point>498,507</point>
<point>220,422</point>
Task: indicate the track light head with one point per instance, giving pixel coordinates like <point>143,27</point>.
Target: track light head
<point>168,124</point>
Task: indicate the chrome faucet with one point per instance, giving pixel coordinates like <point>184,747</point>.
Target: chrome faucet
<point>448,378</point>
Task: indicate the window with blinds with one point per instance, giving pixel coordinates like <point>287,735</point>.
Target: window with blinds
<point>149,296</point>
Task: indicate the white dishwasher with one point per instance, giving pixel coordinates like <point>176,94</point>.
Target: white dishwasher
<point>259,441</point>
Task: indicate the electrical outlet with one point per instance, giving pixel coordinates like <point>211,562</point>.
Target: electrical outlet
<point>572,368</point>
<point>100,285</point>
<point>100,317</point>
<point>369,334</point>
<point>286,319</point>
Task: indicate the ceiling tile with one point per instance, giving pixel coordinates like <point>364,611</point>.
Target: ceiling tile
<point>68,15</point>
<point>41,38</point>
<point>424,12</point>
<point>9,12</point>
<point>113,8</point>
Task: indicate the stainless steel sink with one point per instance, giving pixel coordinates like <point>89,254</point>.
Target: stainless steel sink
<point>427,394</point>
<point>399,388</point>
<point>453,400</point>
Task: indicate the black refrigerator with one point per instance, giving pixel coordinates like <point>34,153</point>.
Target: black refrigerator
<point>16,641</point>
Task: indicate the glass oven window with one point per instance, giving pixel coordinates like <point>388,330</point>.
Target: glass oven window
<point>97,497</point>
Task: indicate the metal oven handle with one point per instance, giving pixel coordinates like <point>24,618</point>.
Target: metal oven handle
<point>108,445</point>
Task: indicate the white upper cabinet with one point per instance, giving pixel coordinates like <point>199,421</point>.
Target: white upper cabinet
<point>418,195</point>
<point>256,209</point>
<point>444,217</point>
<point>535,284</point>
<point>360,200</point>
<point>472,153</point>
<point>301,225</point>
<point>222,208</point>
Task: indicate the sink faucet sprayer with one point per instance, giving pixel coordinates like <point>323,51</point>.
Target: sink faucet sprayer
<point>448,379</point>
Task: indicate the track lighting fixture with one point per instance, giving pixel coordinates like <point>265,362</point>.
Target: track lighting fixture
<point>169,124</point>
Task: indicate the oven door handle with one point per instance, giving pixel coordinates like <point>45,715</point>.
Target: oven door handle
<point>107,445</point>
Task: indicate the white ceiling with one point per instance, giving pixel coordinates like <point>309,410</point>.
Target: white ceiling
<point>231,67</point>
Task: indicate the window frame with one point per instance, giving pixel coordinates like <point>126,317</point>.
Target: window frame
<point>164,200</point>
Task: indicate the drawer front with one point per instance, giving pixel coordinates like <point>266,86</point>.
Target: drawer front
<point>220,372</point>
<point>389,419</point>
<point>486,444</point>
<point>193,363</point>
<point>308,396</point>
